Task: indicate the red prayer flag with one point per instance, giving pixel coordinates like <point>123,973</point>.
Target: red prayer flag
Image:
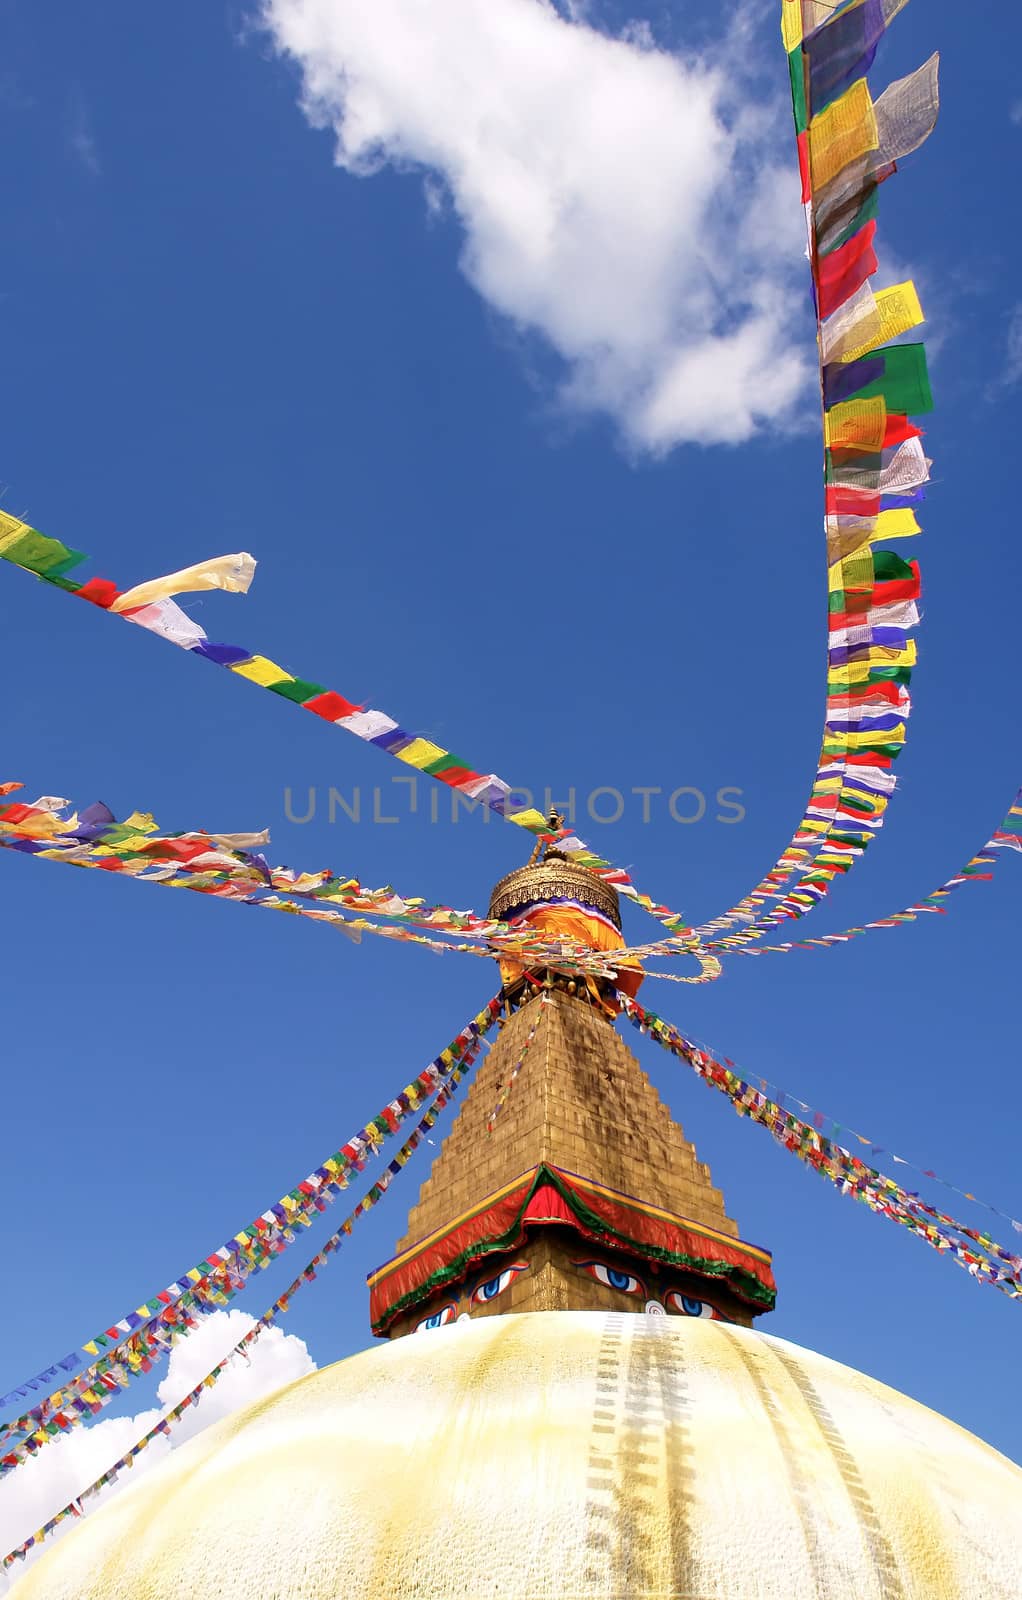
<point>898,430</point>
<point>843,271</point>
<point>17,812</point>
<point>100,591</point>
<point>841,501</point>
<point>331,706</point>
<point>455,776</point>
<point>803,166</point>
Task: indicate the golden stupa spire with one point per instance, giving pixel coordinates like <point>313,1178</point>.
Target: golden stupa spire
<point>564,1183</point>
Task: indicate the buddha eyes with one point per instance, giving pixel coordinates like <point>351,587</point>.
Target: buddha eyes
<point>689,1306</point>
<point>479,1296</point>
<point>489,1290</point>
<point>685,1305</point>
<point>624,1282</point>
<point>439,1319</point>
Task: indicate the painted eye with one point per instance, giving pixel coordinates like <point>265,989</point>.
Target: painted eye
<point>489,1290</point>
<point>689,1306</point>
<point>613,1277</point>
<point>438,1320</point>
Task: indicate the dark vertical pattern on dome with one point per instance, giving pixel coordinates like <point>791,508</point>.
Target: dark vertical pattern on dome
<point>800,1478</point>
<point>884,1560</point>
<point>639,1453</point>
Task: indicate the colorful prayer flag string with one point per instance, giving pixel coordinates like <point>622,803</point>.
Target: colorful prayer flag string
<point>824,1123</point>
<point>1006,836</point>
<point>976,1252</point>
<point>151,606</point>
<point>874,465</point>
<point>226,867</point>
<point>280,1306</point>
<point>504,1089</point>
<point>138,1341</point>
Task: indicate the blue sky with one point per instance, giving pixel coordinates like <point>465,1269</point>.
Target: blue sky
<point>383,383</point>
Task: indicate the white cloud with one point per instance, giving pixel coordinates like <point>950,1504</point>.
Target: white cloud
<point>64,1468</point>
<point>1013,349</point>
<point>622,203</point>
<point>81,139</point>
<point>1015,113</point>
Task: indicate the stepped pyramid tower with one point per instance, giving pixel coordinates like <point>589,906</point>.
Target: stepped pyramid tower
<point>564,1185</point>
<point>585,1452</point>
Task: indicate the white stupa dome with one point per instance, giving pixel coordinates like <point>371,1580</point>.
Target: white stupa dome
<point>567,1453</point>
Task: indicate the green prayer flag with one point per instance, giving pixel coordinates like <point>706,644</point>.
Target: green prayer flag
<point>887,567</point>
<point>905,384</point>
<point>797,73</point>
<point>74,558</point>
<point>298,690</point>
<point>866,213</point>
<point>889,675</point>
<point>850,803</point>
<point>40,554</point>
<point>445,763</point>
<point>861,460</point>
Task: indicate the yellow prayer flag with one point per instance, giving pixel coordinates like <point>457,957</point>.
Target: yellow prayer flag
<point>853,571</point>
<point>791,24</point>
<point>882,657</point>
<point>132,845</point>
<point>43,826</point>
<point>844,542</point>
<point>528,819</point>
<point>420,753</point>
<point>141,821</point>
<point>844,131</point>
<point>233,573</point>
<point>856,741</point>
<point>856,424</point>
<point>11,529</point>
<point>304,881</point>
<point>879,656</point>
<point>895,525</point>
<point>899,310</point>
<point>262,671</point>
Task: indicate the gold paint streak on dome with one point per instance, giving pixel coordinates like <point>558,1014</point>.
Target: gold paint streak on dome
<point>568,1453</point>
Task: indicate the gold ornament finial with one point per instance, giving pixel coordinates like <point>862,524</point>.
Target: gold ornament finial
<point>554,822</point>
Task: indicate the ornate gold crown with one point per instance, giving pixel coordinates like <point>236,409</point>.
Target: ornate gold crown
<point>554,879</point>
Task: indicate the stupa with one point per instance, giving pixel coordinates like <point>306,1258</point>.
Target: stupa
<point>564,1184</point>
<point>569,1398</point>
